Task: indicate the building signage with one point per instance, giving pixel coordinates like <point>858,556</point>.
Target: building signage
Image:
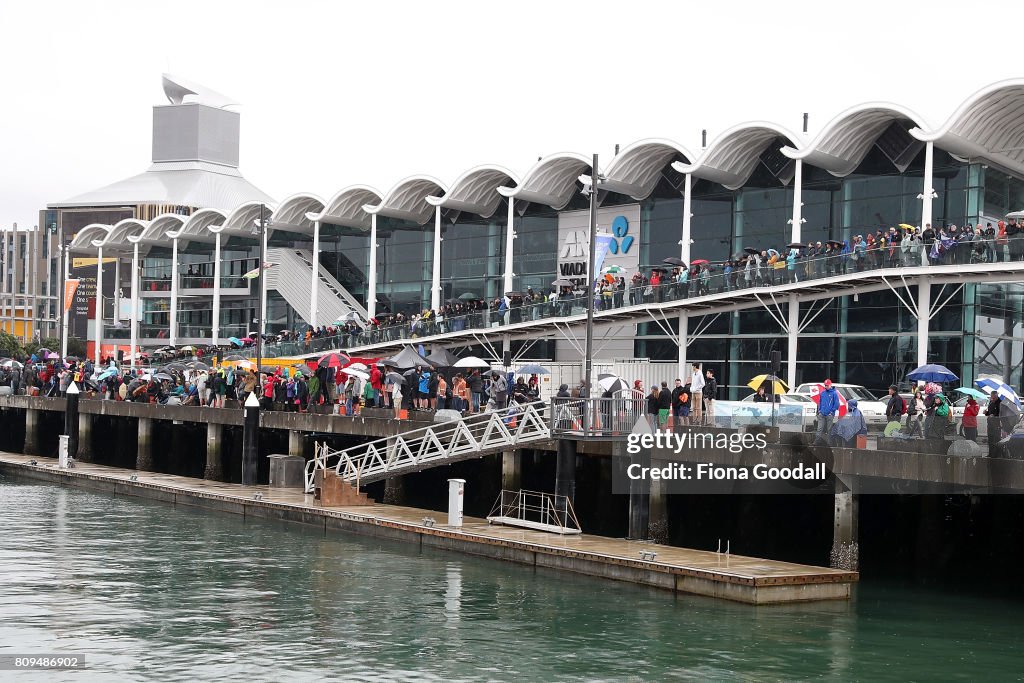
<point>618,241</point>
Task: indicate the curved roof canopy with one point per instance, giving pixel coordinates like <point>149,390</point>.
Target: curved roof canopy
<point>290,214</point>
<point>988,125</point>
<point>241,220</point>
<point>841,145</point>
<point>82,243</point>
<point>408,199</point>
<point>551,181</point>
<point>476,191</point>
<point>118,239</point>
<point>732,157</point>
<point>195,228</point>
<point>345,208</point>
<point>636,169</point>
<point>160,228</point>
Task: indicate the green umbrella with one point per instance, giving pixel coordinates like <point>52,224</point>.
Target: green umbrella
<point>971,391</point>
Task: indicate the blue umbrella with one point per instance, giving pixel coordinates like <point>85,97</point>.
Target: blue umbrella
<point>971,391</point>
<point>236,341</point>
<point>109,372</point>
<point>1001,388</point>
<point>533,370</point>
<point>932,373</point>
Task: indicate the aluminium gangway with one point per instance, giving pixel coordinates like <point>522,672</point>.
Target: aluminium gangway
<point>442,443</point>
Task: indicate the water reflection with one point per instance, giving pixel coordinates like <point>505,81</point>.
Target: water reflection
<point>151,591</point>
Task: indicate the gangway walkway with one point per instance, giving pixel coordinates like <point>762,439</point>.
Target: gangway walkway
<point>442,443</point>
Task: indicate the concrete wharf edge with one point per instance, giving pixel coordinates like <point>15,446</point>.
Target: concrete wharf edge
<point>774,583</point>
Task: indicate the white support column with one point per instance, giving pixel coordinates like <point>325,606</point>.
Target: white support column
<point>510,236</point>
<point>263,282</point>
<point>99,306</point>
<point>371,294</point>
<point>798,219</point>
<point>928,191</point>
<point>924,307</point>
<point>435,288</point>
<point>687,216</point>
<point>314,288</point>
<point>684,333</point>
<point>792,335</point>
<point>216,290</point>
<point>117,289</point>
<point>133,348</point>
<point>173,331</point>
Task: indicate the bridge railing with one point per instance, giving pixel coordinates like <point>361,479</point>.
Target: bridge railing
<point>596,417</point>
<point>671,287</point>
<point>443,441</point>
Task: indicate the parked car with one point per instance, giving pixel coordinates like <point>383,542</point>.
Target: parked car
<point>872,407</point>
<point>810,409</point>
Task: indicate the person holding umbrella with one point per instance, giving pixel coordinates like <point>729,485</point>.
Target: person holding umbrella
<point>993,425</point>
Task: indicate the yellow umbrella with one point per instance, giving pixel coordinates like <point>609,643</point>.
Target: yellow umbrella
<point>907,226</point>
<point>780,386</point>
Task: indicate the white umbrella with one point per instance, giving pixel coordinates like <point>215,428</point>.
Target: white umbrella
<point>991,384</point>
<point>1015,214</point>
<point>355,373</point>
<point>355,366</point>
<point>472,362</point>
<point>613,384</point>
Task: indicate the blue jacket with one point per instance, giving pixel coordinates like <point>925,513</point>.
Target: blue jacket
<point>828,401</point>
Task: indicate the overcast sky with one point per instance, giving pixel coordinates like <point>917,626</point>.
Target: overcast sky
<point>336,93</point>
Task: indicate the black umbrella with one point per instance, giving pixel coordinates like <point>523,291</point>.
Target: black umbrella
<point>834,243</point>
<point>510,294</point>
<point>394,378</point>
<point>442,358</point>
<point>795,245</point>
<point>672,260</point>
<point>751,250</point>
<point>407,358</point>
<point>468,296</point>
<point>388,363</point>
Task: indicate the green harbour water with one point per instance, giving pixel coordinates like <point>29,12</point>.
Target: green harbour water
<point>148,591</point>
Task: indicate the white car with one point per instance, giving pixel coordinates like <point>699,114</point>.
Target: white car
<point>810,408</point>
<point>869,404</point>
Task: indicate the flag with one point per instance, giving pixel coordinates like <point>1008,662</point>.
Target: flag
<point>70,287</point>
<point>255,272</point>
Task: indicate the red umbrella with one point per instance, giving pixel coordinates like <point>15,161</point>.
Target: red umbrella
<point>698,262</point>
<point>817,388</point>
<point>334,360</point>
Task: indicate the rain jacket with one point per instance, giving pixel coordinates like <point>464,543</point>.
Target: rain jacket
<point>828,401</point>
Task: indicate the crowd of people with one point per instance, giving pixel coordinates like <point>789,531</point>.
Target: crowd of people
<point>891,247</point>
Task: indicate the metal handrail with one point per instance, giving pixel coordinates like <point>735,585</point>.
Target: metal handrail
<point>549,509</point>
<point>434,445</point>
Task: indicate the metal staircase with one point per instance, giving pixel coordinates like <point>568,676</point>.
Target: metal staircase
<point>439,444</point>
<point>291,280</point>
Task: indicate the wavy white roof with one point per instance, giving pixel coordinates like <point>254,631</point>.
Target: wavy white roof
<point>476,191</point>
<point>551,181</point>
<point>345,208</point>
<point>989,126</point>
<point>731,158</point>
<point>407,200</point>
<point>636,169</point>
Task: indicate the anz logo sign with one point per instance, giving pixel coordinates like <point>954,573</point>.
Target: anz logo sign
<point>621,239</point>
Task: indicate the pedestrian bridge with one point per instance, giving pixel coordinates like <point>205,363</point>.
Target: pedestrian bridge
<point>443,443</point>
<point>664,304</point>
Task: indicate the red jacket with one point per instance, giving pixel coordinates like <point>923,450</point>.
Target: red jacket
<point>971,415</point>
<point>375,378</point>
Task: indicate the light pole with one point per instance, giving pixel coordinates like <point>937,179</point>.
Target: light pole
<point>588,360</point>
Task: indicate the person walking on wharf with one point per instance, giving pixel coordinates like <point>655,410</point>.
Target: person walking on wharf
<point>697,396</point>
